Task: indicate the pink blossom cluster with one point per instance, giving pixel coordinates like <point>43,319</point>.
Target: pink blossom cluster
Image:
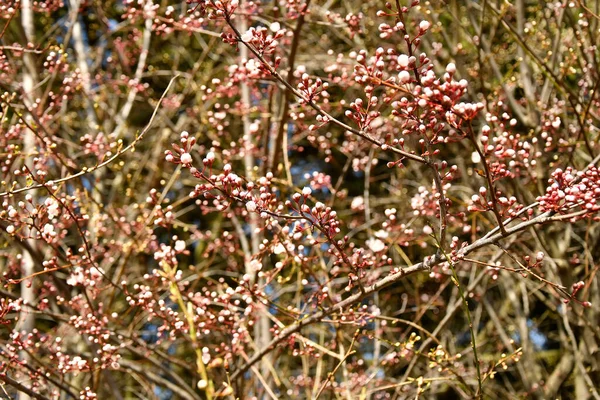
<point>570,189</point>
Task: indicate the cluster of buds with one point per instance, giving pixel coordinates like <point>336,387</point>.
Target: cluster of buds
<point>87,277</point>
<point>433,105</point>
<point>325,217</point>
<point>169,254</point>
<point>56,61</point>
<point>404,64</point>
<point>218,9</point>
<point>261,40</point>
<point>182,155</point>
<point>228,187</point>
<point>5,66</point>
<point>404,351</point>
<point>320,216</point>
<point>8,9</point>
<point>570,189</point>
<point>312,89</point>
<point>506,153</point>
<point>362,114</point>
<point>43,221</point>
<point>370,69</point>
<point>426,202</point>
<point>167,24</point>
<point>506,206</point>
<point>251,69</point>
<point>321,122</point>
<point>8,306</point>
<point>440,359</point>
<point>164,217</point>
<point>98,145</point>
<point>352,21</point>
<point>87,394</point>
<point>319,181</point>
<point>534,262</point>
<point>387,31</point>
<point>467,111</point>
<point>576,287</point>
<point>46,6</point>
<point>403,234</point>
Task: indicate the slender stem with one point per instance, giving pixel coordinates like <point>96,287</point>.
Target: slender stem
<point>465,304</point>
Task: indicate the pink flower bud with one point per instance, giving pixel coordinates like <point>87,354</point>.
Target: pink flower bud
<point>404,76</point>
<point>403,60</point>
<point>451,68</point>
<point>186,158</point>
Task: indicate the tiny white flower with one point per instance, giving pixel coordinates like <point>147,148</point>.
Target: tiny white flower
<point>251,206</point>
<point>451,68</point>
<point>403,60</point>
<point>381,234</point>
<point>255,265</point>
<point>248,35</point>
<point>306,191</point>
<point>357,203</point>
<point>424,25</point>
<point>202,384</point>
<point>95,273</point>
<point>52,208</point>
<point>275,26</point>
<point>180,245</point>
<point>49,230</point>
<point>186,158</point>
<point>278,249</point>
<point>375,245</point>
<point>404,76</point>
<point>556,123</point>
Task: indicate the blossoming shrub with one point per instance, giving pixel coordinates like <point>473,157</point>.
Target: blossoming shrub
<point>299,199</point>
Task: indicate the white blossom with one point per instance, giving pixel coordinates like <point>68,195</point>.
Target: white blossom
<point>186,158</point>
<point>180,245</point>
<point>48,230</point>
<point>403,60</point>
<point>279,248</point>
<point>251,206</point>
<point>404,76</point>
<point>357,203</point>
<point>375,245</point>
